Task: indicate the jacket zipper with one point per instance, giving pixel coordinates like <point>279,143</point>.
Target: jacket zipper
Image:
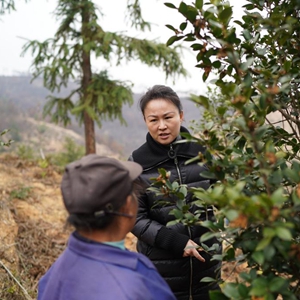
<point>152,167</point>
<point>191,273</point>
<point>189,229</point>
<point>176,164</point>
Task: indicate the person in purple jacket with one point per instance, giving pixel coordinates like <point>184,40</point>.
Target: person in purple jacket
<point>99,194</point>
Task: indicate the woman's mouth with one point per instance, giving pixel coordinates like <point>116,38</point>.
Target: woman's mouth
<point>164,136</point>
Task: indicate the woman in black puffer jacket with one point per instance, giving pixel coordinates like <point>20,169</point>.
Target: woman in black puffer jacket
<point>172,249</point>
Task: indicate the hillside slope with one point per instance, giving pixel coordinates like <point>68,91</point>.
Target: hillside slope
<point>32,225</point>
<point>19,95</point>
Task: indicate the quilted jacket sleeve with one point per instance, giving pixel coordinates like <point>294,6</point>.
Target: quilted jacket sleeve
<point>154,233</point>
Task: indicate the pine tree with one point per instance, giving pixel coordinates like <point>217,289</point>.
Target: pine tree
<point>67,56</point>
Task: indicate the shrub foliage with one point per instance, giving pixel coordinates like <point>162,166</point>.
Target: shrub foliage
<point>251,132</point>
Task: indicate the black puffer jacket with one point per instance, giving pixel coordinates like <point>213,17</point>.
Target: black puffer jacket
<point>165,245</point>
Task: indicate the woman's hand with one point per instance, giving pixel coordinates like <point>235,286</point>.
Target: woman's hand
<point>192,249</point>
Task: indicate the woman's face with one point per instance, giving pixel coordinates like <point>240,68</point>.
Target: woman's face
<point>163,120</point>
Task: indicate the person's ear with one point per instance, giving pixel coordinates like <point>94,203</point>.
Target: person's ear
<point>181,116</point>
<point>128,207</point>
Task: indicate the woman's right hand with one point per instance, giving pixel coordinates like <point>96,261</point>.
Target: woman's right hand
<point>192,249</point>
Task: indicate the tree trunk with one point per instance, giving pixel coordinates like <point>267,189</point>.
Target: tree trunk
<point>89,126</point>
<point>89,130</point>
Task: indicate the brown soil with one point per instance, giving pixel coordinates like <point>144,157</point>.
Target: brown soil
<point>32,225</point>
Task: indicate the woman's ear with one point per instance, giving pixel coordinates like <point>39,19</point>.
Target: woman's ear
<point>181,116</point>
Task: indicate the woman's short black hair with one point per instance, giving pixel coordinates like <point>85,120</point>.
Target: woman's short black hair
<point>160,92</point>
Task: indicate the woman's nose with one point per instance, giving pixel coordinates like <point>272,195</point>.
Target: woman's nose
<point>162,125</point>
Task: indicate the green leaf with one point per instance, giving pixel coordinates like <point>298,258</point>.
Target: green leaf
<point>174,185</point>
<point>291,174</point>
<point>163,172</point>
<point>245,276</point>
<point>217,295</point>
<point>269,252</point>
<point>225,15</point>
<point>245,65</point>
<point>210,225</point>
<point>231,214</point>
<point>283,233</point>
<point>287,65</point>
<point>243,291</point>
<point>191,13</point>
<point>277,284</point>
<point>261,131</point>
<point>247,35</point>
<point>263,243</point>
<point>295,198</point>
<point>174,39</point>
<point>230,254</point>
<point>207,174</point>
<point>174,222</point>
<point>221,111</point>
<point>215,24</point>
<point>190,38</point>
<point>199,4</point>
<point>177,213</point>
<point>197,47</point>
<point>171,5</point>
<point>217,64</point>
<point>278,197</point>
<point>169,185</point>
<point>78,109</point>
<point>202,100</point>
<point>268,232</point>
<point>231,291</point>
<point>183,26</point>
<point>209,125</point>
<point>215,2</point>
<point>171,27</point>
<point>4,131</point>
<point>183,190</point>
<point>259,257</point>
<point>208,279</point>
<point>183,8</point>
<point>259,287</point>
<point>207,236</point>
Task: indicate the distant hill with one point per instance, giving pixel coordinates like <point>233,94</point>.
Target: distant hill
<point>19,96</point>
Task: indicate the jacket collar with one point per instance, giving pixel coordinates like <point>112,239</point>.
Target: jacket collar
<point>106,253</point>
<point>152,153</point>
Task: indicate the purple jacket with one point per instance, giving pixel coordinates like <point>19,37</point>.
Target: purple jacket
<point>90,271</point>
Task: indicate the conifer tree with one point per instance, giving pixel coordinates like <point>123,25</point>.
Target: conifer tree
<point>67,56</point>
<point>7,6</point>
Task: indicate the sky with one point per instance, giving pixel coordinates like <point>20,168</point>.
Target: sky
<point>34,20</point>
